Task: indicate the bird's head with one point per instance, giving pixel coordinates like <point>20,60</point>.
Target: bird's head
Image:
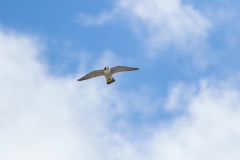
<point>106,68</point>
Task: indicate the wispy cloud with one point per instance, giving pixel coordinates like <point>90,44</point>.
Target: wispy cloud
<point>101,19</point>
<point>207,129</point>
<point>158,23</point>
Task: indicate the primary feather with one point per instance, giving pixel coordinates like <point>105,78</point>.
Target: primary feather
<point>118,69</point>
<point>92,74</point>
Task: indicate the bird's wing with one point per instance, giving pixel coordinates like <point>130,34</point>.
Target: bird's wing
<point>118,69</point>
<point>92,74</point>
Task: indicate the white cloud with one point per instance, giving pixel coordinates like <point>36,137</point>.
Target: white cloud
<point>159,23</point>
<point>44,117</point>
<point>208,128</point>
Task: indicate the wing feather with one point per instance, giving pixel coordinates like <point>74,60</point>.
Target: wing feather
<point>92,74</point>
<point>118,69</point>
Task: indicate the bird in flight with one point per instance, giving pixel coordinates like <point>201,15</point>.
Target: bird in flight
<point>107,72</point>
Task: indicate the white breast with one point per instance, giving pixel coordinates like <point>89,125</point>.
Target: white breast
<point>107,73</point>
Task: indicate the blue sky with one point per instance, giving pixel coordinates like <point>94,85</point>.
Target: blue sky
<point>188,55</point>
<point>56,22</point>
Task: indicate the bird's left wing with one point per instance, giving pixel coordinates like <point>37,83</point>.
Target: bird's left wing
<point>92,74</point>
<point>118,69</point>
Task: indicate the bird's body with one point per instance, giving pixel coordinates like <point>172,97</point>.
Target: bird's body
<point>108,75</point>
<point>107,72</point>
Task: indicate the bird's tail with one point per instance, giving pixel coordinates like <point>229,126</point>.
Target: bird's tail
<point>110,80</point>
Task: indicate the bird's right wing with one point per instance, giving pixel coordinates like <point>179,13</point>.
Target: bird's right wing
<point>92,74</point>
<point>118,69</point>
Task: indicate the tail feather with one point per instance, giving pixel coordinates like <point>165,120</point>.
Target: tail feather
<point>110,80</point>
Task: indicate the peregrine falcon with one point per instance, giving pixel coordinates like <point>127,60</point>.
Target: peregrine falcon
<point>107,72</point>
